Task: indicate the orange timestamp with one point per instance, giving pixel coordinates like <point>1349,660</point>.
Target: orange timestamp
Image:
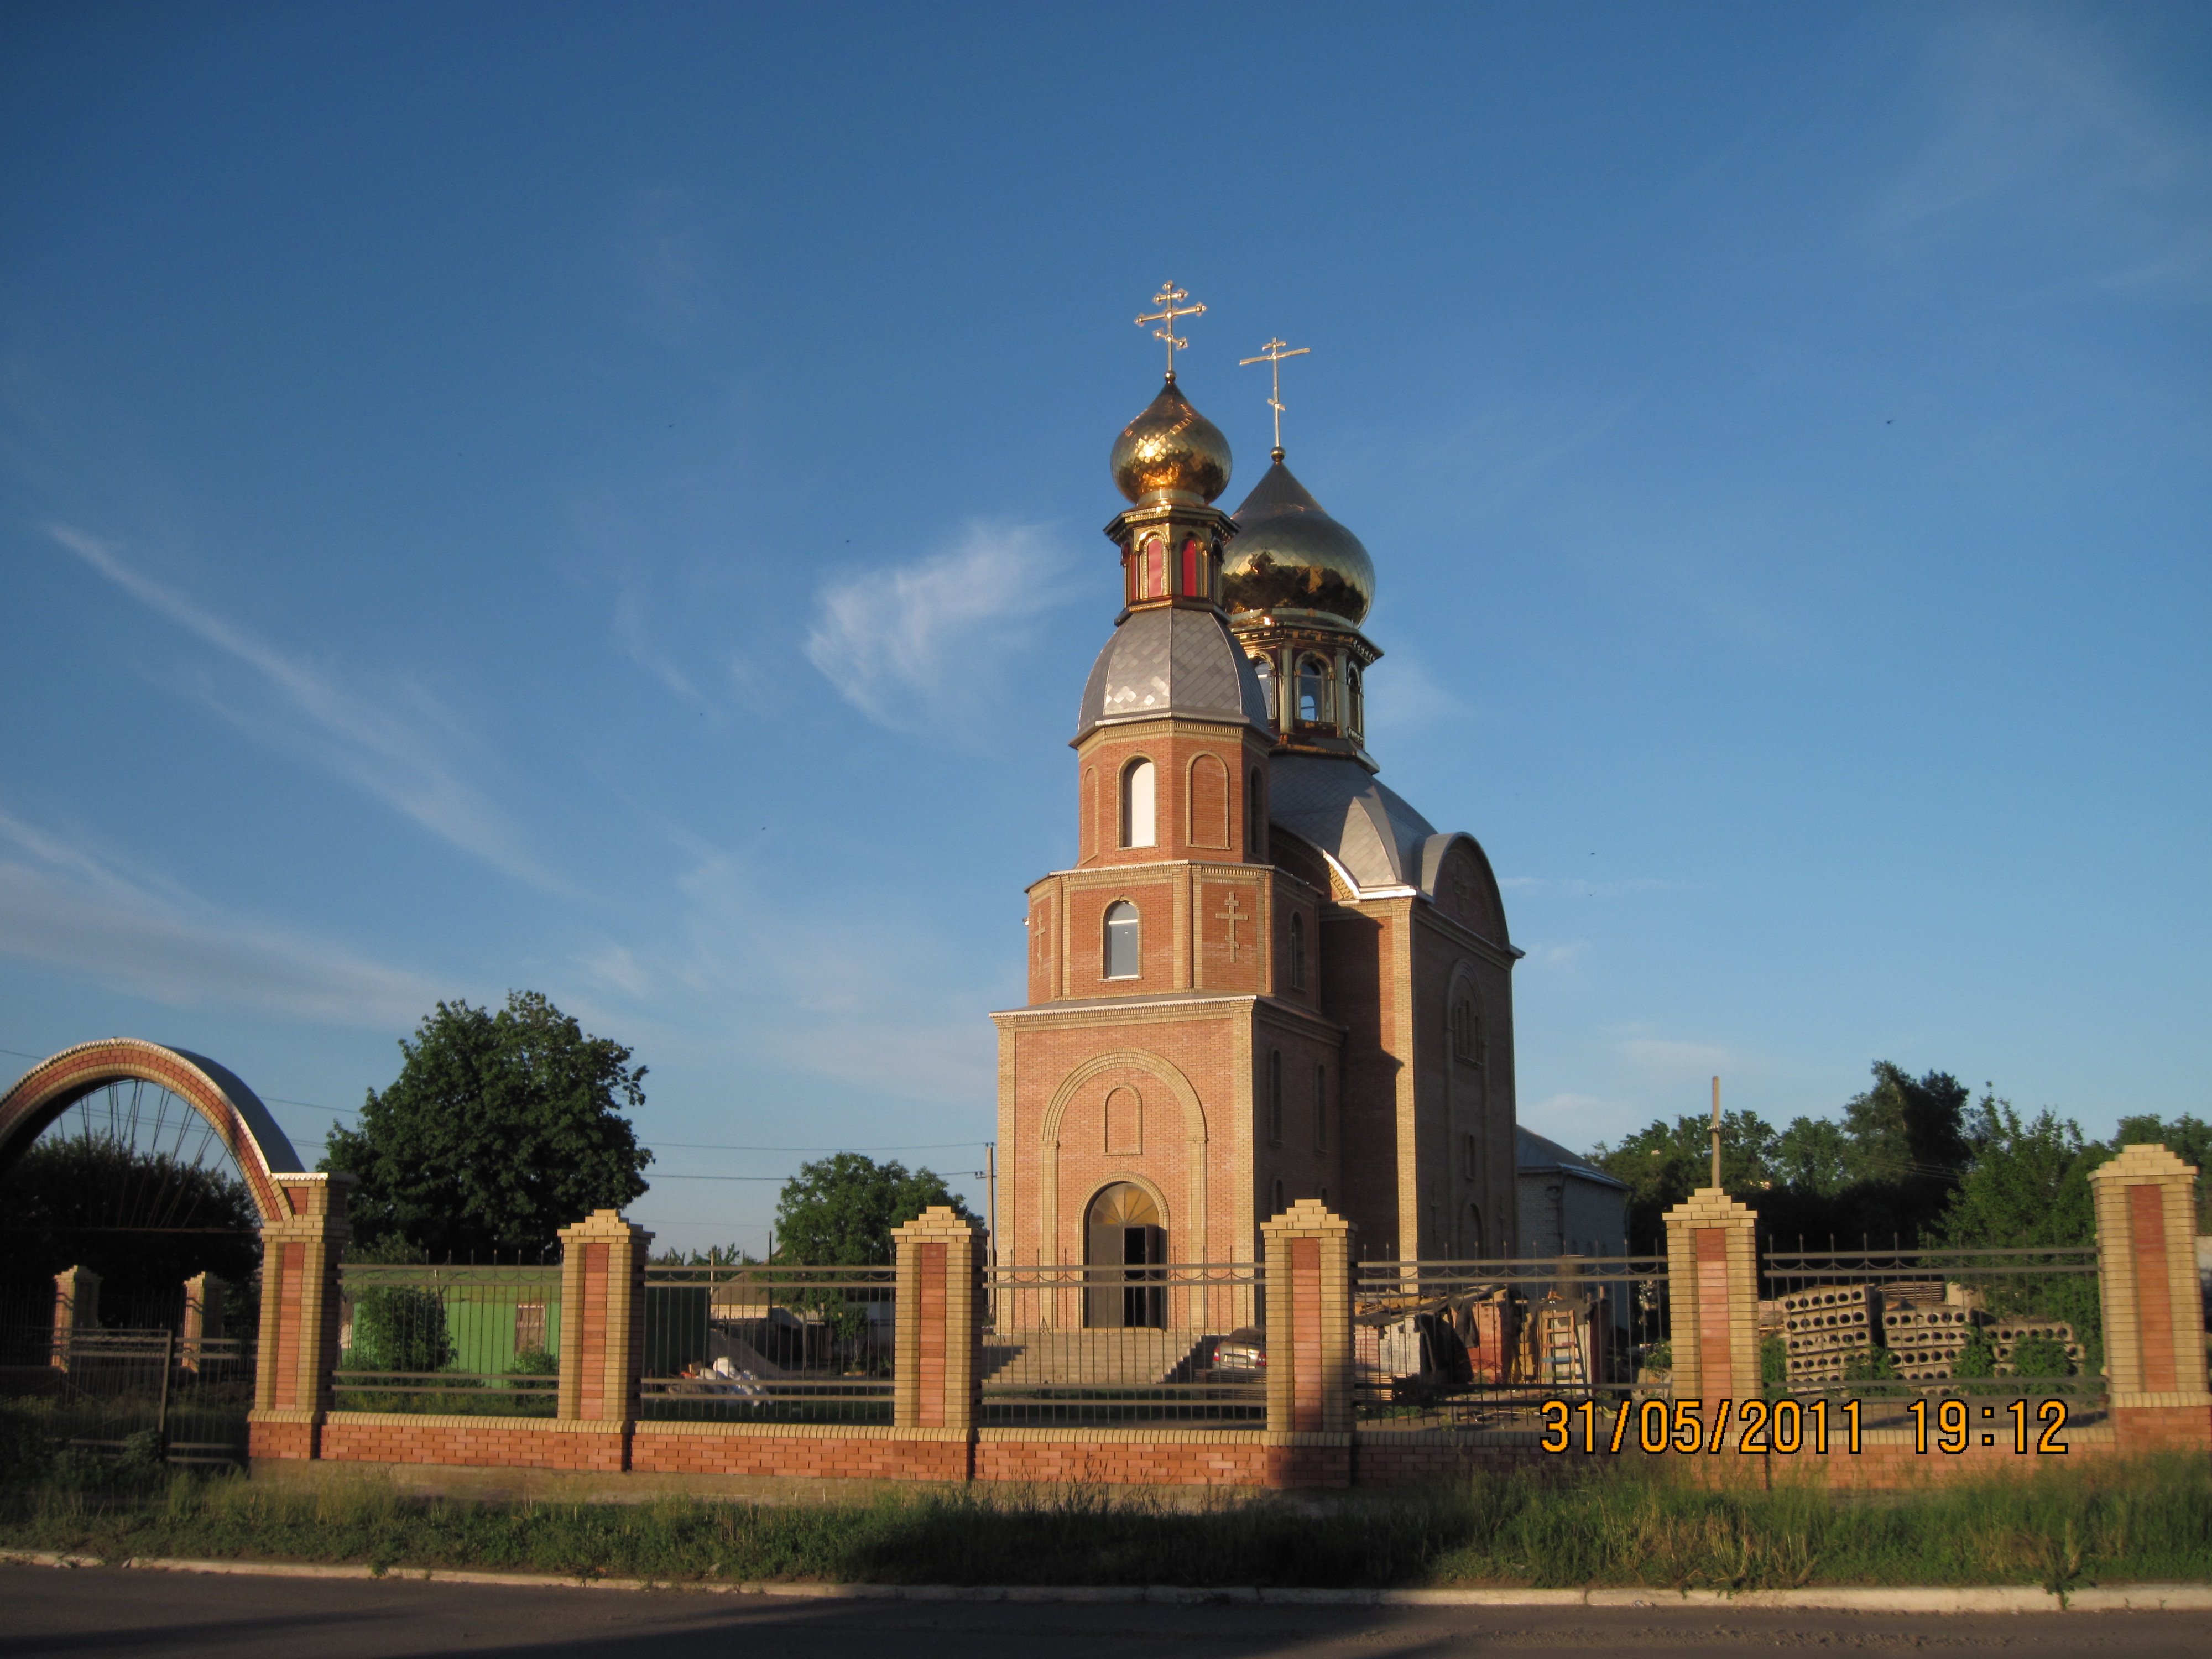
<point>1788,1427</point>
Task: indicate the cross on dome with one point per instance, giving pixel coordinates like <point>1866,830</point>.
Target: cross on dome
<point>1272,354</point>
<point>1168,300</point>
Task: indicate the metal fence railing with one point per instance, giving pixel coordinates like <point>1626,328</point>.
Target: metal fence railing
<point>1483,1345</point>
<point>1895,1329</point>
<point>183,1400</point>
<point>769,1343</point>
<point>418,1338</point>
<point>1178,1344</point>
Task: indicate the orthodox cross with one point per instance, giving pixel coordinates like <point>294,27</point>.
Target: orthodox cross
<point>1272,354</point>
<point>1229,914</point>
<point>1168,300</point>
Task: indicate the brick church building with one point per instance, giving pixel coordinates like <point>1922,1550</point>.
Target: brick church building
<point>1267,977</point>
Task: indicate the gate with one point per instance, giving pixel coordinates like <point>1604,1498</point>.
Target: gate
<point>102,1390</point>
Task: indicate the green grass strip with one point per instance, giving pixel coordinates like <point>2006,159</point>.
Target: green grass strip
<point>2149,1520</point>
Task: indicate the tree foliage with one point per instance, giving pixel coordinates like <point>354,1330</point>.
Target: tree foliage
<point>500,1129</point>
<point>144,1221</point>
<point>840,1211</point>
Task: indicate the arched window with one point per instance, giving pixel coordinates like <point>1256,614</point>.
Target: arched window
<point>1474,1229</point>
<point>1320,1109</point>
<point>1139,797</point>
<point>1274,1097</point>
<point>1314,698</point>
<point>1297,952</point>
<point>1192,585</point>
<point>1355,703</point>
<point>1280,1205</point>
<point>1472,1158</point>
<point>1156,578</point>
<point>1256,814</point>
<point>1121,954</point>
<point>1266,670</point>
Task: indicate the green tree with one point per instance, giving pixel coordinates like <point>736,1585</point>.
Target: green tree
<point>840,1211</point>
<point>500,1129</point>
<point>1813,1155</point>
<point>1664,1163</point>
<point>1906,1130</point>
<point>144,1221</point>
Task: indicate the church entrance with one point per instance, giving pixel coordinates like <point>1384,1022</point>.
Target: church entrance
<point>1122,1239</point>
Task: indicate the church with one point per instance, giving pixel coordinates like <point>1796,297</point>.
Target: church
<point>1267,977</point>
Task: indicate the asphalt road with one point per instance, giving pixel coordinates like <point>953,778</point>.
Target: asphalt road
<point>93,1613</point>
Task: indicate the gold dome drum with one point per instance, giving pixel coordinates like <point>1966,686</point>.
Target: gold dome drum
<point>1172,452</point>
<point>1289,555</point>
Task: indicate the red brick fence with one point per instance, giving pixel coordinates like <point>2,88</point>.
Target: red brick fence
<point>1311,1435</point>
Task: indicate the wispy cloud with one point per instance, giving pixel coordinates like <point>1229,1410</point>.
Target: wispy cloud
<point>69,905</point>
<point>397,754</point>
<point>2041,138</point>
<point>629,629</point>
<point>926,644</point>
<point>1406,699</point>
<point>772,977</point>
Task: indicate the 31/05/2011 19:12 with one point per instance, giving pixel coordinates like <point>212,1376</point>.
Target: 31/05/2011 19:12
<point>1786,1426</point>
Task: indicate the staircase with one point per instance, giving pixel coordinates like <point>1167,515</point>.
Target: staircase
<point>1135,1358</point>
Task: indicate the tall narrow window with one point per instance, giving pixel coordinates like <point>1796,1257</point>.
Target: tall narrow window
<point>1355,703</point>
<point>1121,954</point>
<point>1314,698</point>
<point>1140,794</point>
<point>1190,567</point>
<point>1265,670</point>
<point>1274,1097</point>
<point>1298,951</point>
<point>1281,1204</point>
<point>1472,1155</point>
<point>1256,814</point>
<point>1320,1109</point>
<point>1466,1032</point>
<point>1156,579</point>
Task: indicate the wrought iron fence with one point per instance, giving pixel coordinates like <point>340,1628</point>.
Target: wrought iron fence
<point>1482,1344</point>
<point>448,1339</point>
<point>1178,1344</point>
<point>1897,1328</point>
<point>769,1343</point>
<point>148,1390</point>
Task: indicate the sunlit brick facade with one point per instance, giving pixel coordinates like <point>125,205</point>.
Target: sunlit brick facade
<point>1266,978</point>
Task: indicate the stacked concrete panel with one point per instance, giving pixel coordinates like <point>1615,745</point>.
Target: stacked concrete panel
<point>2007,1334</point>
<point>1926,1338</point>
<point>1827,1327</point>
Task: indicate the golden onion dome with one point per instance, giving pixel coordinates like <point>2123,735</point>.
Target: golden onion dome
<point>1288,555</point>
<point>1171,452</point>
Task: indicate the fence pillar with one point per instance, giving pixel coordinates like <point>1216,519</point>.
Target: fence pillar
<point>1712,1302</point>
<point>2153,1307</point>
<point>602,1331</point>
<point>204,1297</point>
<point>298,1345</point>
<point>1309,1404</point>
<point>76,1308</point>
<point>939,1330</point>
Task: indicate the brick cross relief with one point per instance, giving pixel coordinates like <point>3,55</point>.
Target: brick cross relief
<point>1229,914</point>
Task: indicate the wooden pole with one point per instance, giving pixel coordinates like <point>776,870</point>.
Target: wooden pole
<point>1717,1135</point>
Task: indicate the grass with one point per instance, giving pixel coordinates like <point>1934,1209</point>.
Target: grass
<point>2145,1521</point>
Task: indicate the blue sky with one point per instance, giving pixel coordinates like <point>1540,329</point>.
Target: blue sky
<point>605,499</point>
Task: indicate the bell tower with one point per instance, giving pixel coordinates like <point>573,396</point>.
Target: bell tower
<point>1134,1083</point>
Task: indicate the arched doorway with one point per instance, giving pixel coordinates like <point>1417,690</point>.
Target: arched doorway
<point>1122,1239</point>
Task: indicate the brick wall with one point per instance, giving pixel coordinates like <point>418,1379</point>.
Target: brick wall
<point>513,1442</point>
<point>809,1451</point>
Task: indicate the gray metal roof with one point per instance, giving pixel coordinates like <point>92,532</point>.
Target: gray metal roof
<point>1341,807</point>
<point>1533,1152</point>
<point>1171,661</point>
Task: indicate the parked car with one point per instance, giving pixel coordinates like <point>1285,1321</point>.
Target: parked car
<point>1239,1357</point>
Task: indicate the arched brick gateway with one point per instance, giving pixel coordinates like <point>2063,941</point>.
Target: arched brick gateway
<point>57,1083</point>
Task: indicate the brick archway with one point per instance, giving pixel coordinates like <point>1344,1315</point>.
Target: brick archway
<point>240,1120</point>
